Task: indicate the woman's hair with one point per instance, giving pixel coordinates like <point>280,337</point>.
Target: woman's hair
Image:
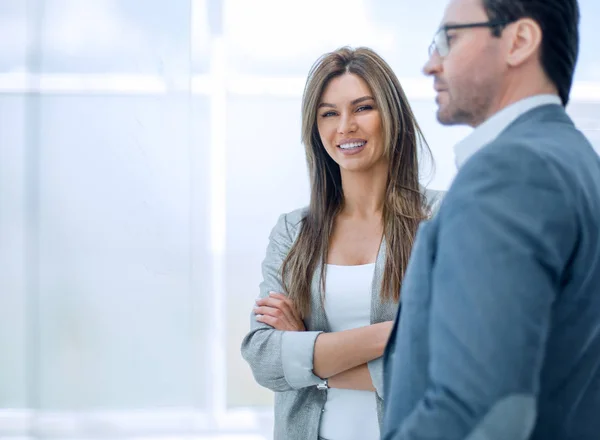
<point>404,205</point>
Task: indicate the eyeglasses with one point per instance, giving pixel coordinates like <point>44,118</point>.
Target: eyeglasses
<point>441,42</point>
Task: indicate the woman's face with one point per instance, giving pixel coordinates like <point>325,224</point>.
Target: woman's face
<point>349,124</point>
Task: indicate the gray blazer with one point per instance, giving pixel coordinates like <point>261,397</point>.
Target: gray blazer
<point>283,361</point>
<point>499,333</point>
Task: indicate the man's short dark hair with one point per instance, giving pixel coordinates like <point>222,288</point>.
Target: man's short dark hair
<point>559,21</point>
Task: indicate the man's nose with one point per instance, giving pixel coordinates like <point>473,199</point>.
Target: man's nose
<point>433,64</point>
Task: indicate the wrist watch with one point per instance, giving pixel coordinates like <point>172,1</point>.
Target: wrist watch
<point>323,386</point>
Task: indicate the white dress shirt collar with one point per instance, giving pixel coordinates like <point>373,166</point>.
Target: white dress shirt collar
<point>494,126</point>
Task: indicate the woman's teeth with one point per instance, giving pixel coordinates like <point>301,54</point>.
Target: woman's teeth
<point>352,145</point>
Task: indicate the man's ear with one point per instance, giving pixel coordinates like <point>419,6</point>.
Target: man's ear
<point>524,42</point>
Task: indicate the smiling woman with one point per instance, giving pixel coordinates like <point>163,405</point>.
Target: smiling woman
<point>341,113</point>
<point>332,273</point>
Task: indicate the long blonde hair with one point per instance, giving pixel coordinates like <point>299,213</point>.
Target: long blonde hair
<point>404,205</point>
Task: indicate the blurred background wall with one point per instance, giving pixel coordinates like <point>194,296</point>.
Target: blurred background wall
<point>146,150</point>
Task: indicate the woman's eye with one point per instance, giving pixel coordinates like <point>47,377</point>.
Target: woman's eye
<point>326,115</point>
<point>363,108</point>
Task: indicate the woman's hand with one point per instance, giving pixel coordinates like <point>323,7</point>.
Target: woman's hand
<point>278,311</point>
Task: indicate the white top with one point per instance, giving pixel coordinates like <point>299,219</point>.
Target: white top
<point>349,414</point>
<point>495,125</point>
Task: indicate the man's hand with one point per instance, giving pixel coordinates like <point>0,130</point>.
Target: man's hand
<point>278,311</point>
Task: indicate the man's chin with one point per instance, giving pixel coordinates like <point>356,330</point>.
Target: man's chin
<point>447,115</point>
<point>444,117</point>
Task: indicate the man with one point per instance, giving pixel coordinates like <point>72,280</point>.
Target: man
<point>499,331</point>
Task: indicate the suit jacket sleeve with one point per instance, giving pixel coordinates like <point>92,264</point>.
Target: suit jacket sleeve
<point>506,233</point>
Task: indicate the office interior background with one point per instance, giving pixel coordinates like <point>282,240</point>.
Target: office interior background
<point>147,148</point>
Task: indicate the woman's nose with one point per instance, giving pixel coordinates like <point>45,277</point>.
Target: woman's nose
<point>347,124</point>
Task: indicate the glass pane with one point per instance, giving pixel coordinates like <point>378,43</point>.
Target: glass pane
<point>13,35</point>
<point>412,29</point>
<point>116,305</point>
<point>586,116</point>
<point>13,303</point>
<point>305,30</point>
<point>203,22</point>
<point>588,65</point>
<point>118,36</point>
<point>397,30</point>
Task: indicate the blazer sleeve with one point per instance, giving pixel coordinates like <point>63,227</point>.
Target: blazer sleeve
<point>506,231</point>
<point>279,360</point>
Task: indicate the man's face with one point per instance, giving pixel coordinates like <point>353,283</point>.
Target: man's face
<point>468,78</point>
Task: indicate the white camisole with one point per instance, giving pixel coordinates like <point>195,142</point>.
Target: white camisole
<point>349,414</point>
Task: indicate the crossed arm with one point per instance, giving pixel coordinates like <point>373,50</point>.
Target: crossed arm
<point>284,356</point>
<point>339,356</point>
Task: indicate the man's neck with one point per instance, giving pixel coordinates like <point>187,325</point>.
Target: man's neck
<point>518,90</point>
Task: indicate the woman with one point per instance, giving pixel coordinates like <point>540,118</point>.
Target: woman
<point>333,271</point>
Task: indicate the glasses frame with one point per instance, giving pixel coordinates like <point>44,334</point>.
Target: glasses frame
<point>443,49</point>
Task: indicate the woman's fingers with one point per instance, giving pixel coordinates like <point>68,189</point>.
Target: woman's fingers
<point>277,303</point>
<point>271,311</point>
<point>278,311</point>
<point>288,302</point>
<point>269,320</point>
